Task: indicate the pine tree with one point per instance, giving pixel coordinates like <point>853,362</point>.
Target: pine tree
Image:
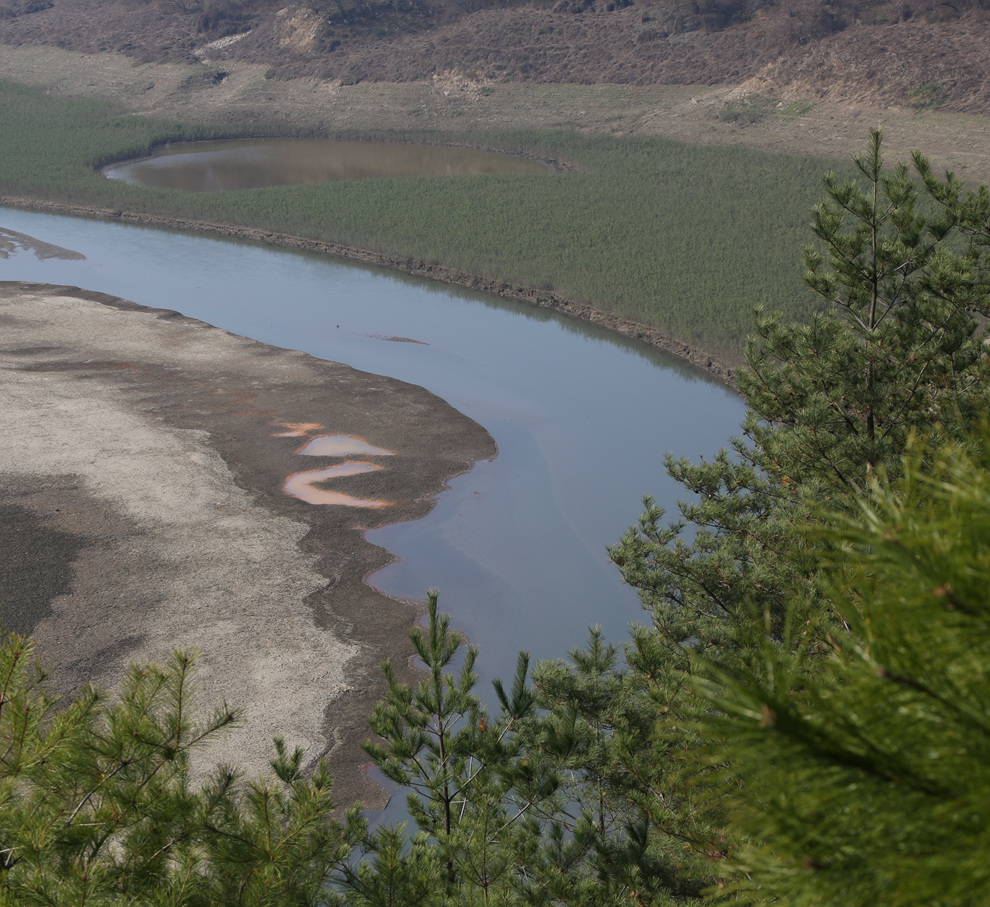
<point>864,779</point>
<point>587,788</point>
<point>534,805</point>
<point>601,719</point>
<point>97,805</point>
<point>475,794</point>
<point>892,347</point>
<point>896,348</point>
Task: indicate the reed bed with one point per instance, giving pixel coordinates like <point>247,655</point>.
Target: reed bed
<point>686,238</point>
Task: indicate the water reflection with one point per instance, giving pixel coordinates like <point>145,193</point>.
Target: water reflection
<point>12,242</point>
<point>258,163</point>
<point>342,446</point>
<point>303,485</point>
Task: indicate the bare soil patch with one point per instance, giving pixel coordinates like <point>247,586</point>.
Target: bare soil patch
<point>918,53</point>
<point>143,510</point>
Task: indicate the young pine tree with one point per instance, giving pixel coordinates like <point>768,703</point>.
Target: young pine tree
<point>475,794</point>
<point>894,347</point>
<point>97,806</point>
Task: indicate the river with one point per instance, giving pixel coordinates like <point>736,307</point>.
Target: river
<point>581,418</point>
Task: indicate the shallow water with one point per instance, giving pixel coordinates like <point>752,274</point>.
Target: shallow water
<point>581,418</point>
<point>302,485</point>
<point>257,163</point>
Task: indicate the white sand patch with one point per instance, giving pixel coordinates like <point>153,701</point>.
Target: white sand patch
<point>223,575</point>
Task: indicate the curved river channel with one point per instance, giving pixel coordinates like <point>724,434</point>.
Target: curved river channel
<point>582,418</point>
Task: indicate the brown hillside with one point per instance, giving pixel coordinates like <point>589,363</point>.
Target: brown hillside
<point>915,53</point>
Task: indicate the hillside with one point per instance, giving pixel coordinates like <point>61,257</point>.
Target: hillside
<point>917,54</point>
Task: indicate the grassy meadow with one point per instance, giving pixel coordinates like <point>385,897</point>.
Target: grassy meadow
<point>686,238</point>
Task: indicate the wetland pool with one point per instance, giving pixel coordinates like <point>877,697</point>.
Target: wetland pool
<point>258,163</point>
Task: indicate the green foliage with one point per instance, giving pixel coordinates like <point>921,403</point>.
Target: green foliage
<point>824,591</point>
<point>746,111</point>
<point>864,779</point>
<point>797,109</point>
<point>97,805</point>
<point>830,401</point>
<point>929,95</point>
<point>50,146</point>
<point>896,349</point>
<point>530,806</point>
<point>474,791</point>
<point>832,404</point>
<point>606,717</point>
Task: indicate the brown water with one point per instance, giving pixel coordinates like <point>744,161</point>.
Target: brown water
<point>258,163</point>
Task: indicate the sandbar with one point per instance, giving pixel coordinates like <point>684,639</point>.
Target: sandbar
<point>143,509</point>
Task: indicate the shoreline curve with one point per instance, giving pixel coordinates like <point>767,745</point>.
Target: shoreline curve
<point>143,510</point>
<point>543,299</point>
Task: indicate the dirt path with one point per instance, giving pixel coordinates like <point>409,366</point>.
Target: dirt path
<point>143,509</point>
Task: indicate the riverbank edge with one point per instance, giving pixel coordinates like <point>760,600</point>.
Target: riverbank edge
<point>543,299</point>
<point>222,406</point>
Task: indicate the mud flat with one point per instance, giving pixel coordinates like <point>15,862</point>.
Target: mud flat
<point>143,508</point>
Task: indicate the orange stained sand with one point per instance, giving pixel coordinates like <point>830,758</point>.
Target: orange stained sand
<point>342,446</point>
<point>301,485</point>
<point>296,429</point>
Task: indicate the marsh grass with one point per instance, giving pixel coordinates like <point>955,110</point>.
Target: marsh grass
<point>686,238</point>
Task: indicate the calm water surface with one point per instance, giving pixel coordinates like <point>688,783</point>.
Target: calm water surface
<point>256,163</point>
<point>582,419</point>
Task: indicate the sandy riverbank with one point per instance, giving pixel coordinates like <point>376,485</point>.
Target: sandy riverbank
<point>143,509</point>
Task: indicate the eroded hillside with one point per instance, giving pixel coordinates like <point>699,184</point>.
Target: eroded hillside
<point>914,53</point>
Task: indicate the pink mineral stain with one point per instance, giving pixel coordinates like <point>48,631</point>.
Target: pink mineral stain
<point>301,485</point>
<point>342,446</point>
<point>296,429</point>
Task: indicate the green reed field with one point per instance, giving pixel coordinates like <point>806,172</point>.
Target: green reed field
<point>686,238</point>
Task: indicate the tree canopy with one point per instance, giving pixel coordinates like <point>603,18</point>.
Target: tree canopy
<point>98,805</point>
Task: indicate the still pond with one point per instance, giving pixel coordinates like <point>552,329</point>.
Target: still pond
<point>257,163</point>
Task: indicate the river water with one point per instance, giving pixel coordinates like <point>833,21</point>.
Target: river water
<point>582,418</point>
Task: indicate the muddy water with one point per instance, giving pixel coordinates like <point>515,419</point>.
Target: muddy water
<point>582,419</point>
<point>254,164</point>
